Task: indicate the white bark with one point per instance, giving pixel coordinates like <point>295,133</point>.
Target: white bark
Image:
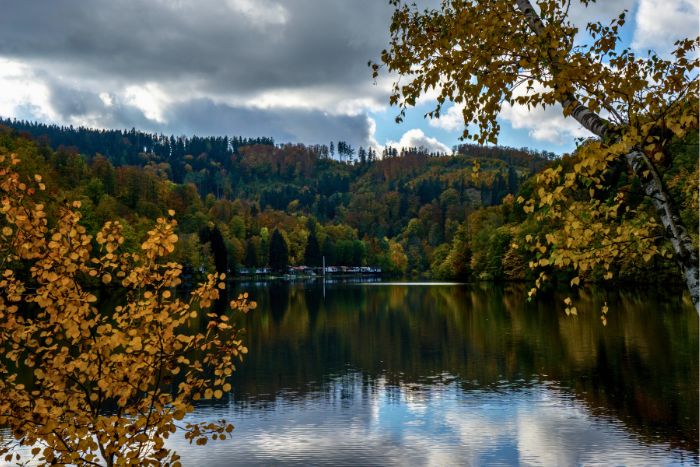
<point>685,253</point>
<point>653,186</point>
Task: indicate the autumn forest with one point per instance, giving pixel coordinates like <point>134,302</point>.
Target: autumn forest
<point>254,233</point>
<point>456,216</point>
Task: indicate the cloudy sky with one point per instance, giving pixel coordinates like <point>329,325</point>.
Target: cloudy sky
<point>292,69</point>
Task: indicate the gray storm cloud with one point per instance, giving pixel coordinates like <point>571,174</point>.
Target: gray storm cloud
<point>204,117</point>
<point>210,61</point>
<point>215,43</point>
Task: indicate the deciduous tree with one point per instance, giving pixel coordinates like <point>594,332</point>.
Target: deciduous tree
<point>85,383</point>
<point>481,54</point>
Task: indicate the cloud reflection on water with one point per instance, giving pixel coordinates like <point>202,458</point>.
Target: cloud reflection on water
<point>355,421</point>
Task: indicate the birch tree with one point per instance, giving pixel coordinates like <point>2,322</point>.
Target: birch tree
<point>480,54</point>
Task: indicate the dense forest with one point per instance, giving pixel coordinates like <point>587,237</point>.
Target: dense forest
<point>406,211</point>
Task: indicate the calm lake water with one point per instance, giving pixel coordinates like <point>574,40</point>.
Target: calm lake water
<point>417,374</point>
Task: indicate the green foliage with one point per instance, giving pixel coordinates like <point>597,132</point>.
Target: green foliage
<point>250,187</point>
<point>411,213</point>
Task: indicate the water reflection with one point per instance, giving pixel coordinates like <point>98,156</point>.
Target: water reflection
<point>352,422</point>
<point>442,374</point>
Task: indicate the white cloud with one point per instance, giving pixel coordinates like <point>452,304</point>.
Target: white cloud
<point>547,124</point>
<point>661,22</point>
<point>372,136</point>
<point>415,138</point>
<point>601,11</point>
<point>150,99</point>
<point>451,120</point>
<point>106,99</point>
<point>331,99</point>
<point>22,95</point>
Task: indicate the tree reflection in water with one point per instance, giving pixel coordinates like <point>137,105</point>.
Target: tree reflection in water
<point>641,369</point>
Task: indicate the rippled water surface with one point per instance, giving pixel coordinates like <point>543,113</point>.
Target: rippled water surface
<point>447,374</point>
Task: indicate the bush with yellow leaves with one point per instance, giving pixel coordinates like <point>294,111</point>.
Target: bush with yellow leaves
<point>87,386</point>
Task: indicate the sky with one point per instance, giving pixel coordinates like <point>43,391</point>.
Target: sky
<point>295,70</point>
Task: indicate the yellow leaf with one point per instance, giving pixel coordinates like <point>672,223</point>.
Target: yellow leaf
<point>136,343</point>
<point>575,281</point>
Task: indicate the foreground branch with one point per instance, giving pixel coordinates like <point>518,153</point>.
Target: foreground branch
<point>685,255</point>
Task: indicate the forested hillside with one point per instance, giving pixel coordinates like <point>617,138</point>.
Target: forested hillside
<point>390,210</point>
<point>406,211</point>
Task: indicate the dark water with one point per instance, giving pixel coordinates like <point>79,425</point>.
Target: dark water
<point>398,374</point>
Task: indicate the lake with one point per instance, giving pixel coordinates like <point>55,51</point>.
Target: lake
<point>449,374</point>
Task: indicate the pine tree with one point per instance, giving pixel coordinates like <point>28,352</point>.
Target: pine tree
<point>251,255</point>
<point>279,252</point>
<point>312,253</point>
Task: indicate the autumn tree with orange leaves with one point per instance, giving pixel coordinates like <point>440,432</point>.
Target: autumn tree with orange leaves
<point>85,384</point>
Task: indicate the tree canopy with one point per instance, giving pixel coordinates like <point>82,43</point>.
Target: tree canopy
<point>483,54</point>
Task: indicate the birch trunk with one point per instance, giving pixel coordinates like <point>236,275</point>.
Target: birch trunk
<point>653,186</point>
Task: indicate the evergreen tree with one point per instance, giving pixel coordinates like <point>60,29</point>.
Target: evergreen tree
<point>212,235</point>
<point>251,255</point>
<point>279,252</point>
<point>329,251</point>
<point>362,154</point>
<point>312,253</point>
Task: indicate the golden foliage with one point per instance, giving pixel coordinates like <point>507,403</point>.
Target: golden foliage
<point>482,55</point>
<point>82,384</point>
